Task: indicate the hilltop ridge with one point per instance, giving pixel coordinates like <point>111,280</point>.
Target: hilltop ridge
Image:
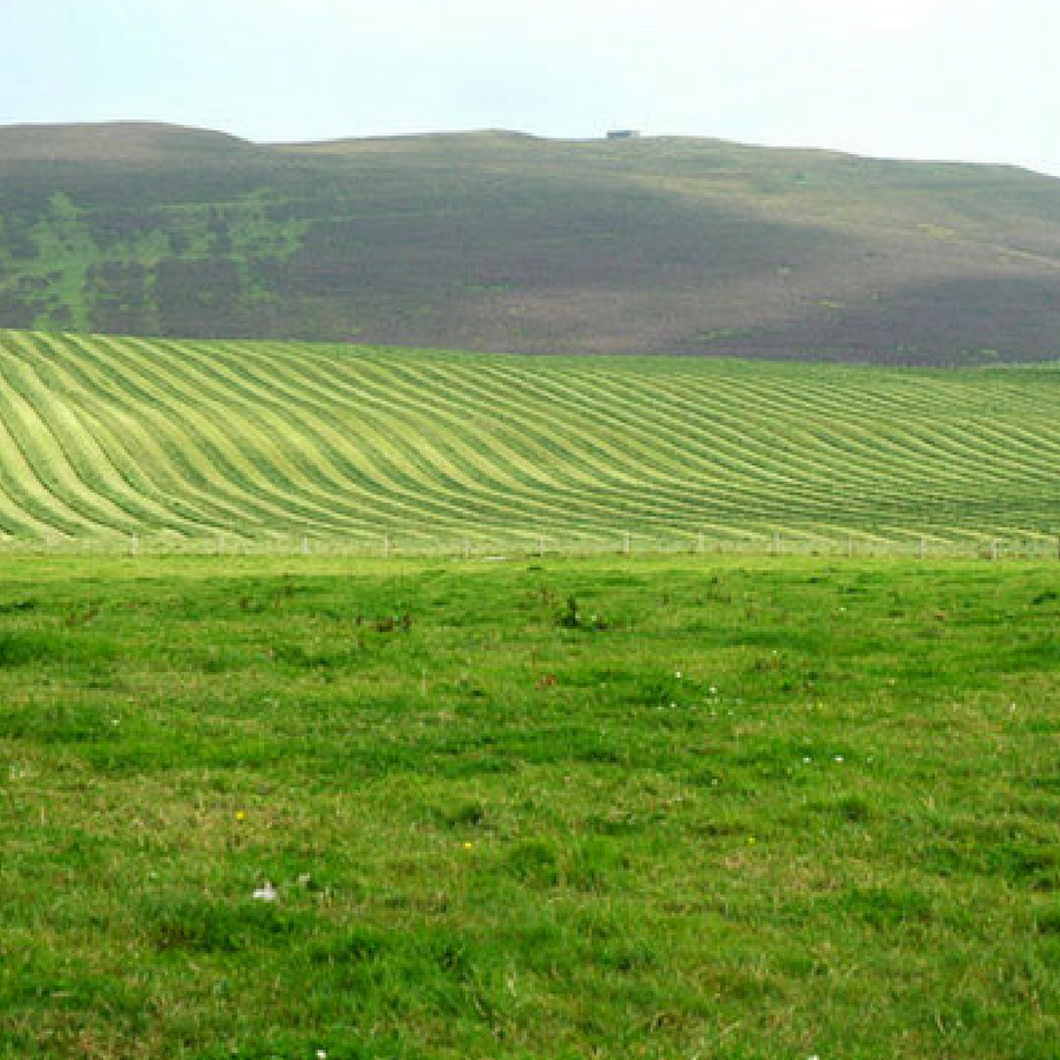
<point>115,142</point>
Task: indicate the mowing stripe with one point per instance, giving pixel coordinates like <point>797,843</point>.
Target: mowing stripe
<point>103,436</point>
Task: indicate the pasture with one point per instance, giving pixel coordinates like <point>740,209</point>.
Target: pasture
<point>682,807</point>
<point>122,443</point>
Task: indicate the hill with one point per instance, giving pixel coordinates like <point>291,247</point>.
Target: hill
<point>502,241</point>
<point>185,441</point>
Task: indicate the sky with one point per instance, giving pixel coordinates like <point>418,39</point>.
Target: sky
<point>971,80</point>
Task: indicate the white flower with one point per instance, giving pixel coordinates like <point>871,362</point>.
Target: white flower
<point>839,758</point>
<point>322,1055</point>
<point>677,674</point>
<point>266,893</point>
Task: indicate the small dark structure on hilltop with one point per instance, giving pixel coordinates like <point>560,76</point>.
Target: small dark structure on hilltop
<point>623,134</point>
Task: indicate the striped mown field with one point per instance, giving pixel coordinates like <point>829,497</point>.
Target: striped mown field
<point>179,442</point>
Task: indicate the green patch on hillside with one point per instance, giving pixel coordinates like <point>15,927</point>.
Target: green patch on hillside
<point>99,269</point>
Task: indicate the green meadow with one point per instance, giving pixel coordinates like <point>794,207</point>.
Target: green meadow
<point>685,807</point>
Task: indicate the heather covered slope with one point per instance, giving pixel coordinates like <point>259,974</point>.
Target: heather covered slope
<point>506,242</point>
<point>104,438</point>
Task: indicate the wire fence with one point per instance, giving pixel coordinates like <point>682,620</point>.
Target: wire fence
<point>487,548</point>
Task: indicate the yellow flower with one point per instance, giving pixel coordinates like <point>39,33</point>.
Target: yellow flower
<point>468,846</point>
<point>241,815</point>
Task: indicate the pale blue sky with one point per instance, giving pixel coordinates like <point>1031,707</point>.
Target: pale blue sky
<point>956,79</point>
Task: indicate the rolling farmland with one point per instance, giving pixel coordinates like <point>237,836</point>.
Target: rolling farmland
<point>185,444</point>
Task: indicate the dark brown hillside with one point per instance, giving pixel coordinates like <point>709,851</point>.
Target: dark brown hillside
<point>506,242</point>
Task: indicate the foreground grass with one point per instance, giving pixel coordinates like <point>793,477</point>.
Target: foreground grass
<point>703,809</point>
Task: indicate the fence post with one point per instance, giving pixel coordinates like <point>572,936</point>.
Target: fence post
<point>626,543</point>
<point>541,547</point>
<point>305,546</point>
<point>776,543</point>
<point>386,546</point>
<point>699,542</point>
<point>923,548</point>
<point>993,551</point>
<point>467,549</point>
<point>134,545</point>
